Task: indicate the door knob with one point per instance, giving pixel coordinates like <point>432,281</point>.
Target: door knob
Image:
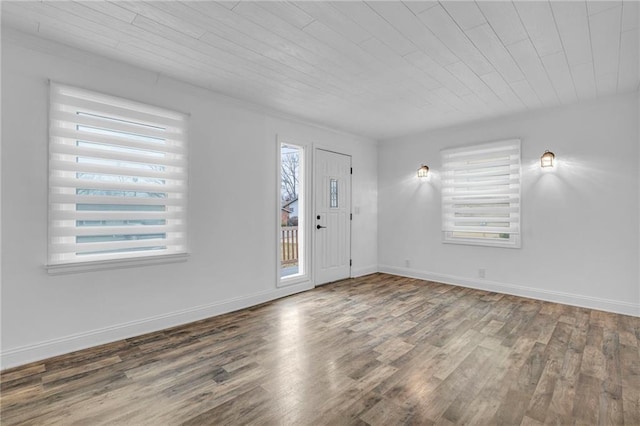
<point>320,227</point>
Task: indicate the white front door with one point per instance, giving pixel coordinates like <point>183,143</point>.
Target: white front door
<point>332,217</point>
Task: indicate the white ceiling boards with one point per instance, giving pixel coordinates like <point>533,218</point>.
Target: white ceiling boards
<point>379,69</point>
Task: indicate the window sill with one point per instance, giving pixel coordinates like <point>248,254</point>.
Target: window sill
<point>483,243</point>
<point>292,280</point>
<point>103,265</point>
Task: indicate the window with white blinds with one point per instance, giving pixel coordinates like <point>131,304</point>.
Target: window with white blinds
<point>117,178</point>
<point>481,194</point>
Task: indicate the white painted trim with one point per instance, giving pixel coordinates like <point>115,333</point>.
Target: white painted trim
<point>102,265</point>
<point>278,221</point>
<point>294,280</point>
<point>38,351</point>
<point>304,219</point>
<point>638,135</point>
<point>365,270</point>
<point>608,305</point>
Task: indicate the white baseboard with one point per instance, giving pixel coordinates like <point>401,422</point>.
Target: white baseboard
<point>35,352</point>
<point>366,270</point>
<point>608,305</point>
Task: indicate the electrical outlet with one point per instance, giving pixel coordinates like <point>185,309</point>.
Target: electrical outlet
<point>482,272</point>
<point>407,263</point>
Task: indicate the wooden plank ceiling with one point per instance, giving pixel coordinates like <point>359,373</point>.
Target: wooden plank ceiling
<point>379,68</point>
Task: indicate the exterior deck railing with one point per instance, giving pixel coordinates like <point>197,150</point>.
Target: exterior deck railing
<point>289,245</point>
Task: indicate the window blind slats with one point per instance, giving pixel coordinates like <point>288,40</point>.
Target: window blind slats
<point>87,248</point>
<point>486,219</point>
<point>57,199</point>
<point>481,199</point>
<point>484,173</point>
<point>98,231</point>
<point>481,194</point>
<point>120,170</point>
<point>480,210</point>
<point>110,110</point>
<point>136,110</point>
<point>70,136</point>
<point>127,130</point>
<point>479,149</point>
<point>111,154</point>
<point>483,191</point>
<point>486,166</point>
<point>83,183</point>
<point>484,182</point>
<point>114,215</point>
<point>117,178</point>
<point>484,230</point>
<point>479,156</point>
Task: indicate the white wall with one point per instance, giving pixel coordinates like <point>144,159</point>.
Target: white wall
<point>232,209</point>
<point>580,221</point>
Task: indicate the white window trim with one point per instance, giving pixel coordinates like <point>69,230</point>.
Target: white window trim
<point>65,102</point>
<point>103,265</point>
<point>304,213</point>
<point>453,161</point>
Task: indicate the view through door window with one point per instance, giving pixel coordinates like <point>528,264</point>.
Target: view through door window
<point>291,229</point>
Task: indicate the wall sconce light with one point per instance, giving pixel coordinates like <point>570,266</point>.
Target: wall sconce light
<point>423,171</point>
<point>547,159</point>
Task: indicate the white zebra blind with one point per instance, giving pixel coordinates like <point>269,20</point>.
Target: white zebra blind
<point>117,178</point>
<point>481,194</point>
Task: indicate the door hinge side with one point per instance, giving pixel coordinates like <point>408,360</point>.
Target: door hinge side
<point>350,216</point>
<point>350,262</point>
<point>351,171</point>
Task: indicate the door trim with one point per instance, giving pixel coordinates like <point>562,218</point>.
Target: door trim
<point>307,211</point>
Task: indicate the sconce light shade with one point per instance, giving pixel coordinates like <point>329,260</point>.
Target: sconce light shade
<point>547,159</point>
<point>423,171</point>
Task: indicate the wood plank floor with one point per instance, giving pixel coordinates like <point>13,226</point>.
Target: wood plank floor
<point>378,350</point>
